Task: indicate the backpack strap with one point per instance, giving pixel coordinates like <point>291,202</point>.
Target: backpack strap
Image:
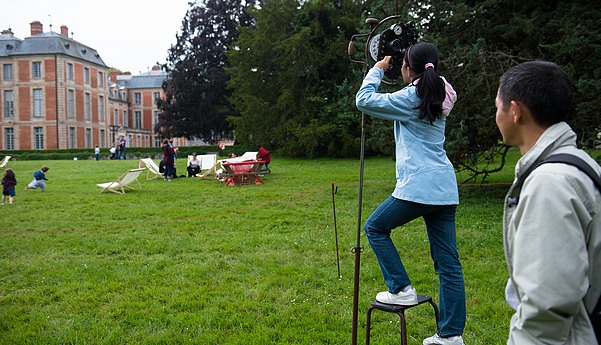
<point>564,158</point>
<point>575,161</point>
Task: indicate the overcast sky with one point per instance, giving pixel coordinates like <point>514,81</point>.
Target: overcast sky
<point>131,35</point>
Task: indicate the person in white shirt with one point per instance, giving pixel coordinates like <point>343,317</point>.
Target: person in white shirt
<point>194,165</point>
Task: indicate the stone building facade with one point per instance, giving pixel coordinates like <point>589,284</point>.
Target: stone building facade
<point>57,93</point>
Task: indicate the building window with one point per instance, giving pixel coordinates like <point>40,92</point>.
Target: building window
<point>101,108</point>
<point>70,73</point>
<point>71,104</point>
<point>38,138</point>
<point>137,98</point>
<point>9,104</point>
<point>36,68</point>
<point>38,103</point>
<point>86,75</point>
<point>156,118</point>
<point>138,119</point>
<point>71,137</point>
<point>124,118</point>
<point>102,139</point>
<point>157,96</point>
<point>100,80</point>
<point>7,72</point>
<point>86,106</point>
<point>116,117</point>
<point>88,138</point>
<point>9,138</point>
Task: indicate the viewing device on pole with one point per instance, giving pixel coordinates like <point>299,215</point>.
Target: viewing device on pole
<point>388,37</point>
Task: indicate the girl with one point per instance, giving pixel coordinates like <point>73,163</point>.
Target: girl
<point>426,185</point>
<point>8,186</point>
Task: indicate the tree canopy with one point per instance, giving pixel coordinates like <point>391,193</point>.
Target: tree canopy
<point>479,40</point>
<point>281,76</point>
<point>289,75</point>
<point>196,102</point>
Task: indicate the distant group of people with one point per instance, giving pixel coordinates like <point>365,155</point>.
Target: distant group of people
<point>118,149</point>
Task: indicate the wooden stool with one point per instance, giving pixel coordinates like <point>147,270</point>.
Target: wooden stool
<point>400,311</point>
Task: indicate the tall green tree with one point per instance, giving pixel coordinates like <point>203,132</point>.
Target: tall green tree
<point>289,75</point>
<point>479,40</point>
<point>196,103</point>
<point>294,86</point>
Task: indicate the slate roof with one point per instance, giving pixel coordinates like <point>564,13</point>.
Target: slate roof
<point>48,43</point>
<point>148,80</point>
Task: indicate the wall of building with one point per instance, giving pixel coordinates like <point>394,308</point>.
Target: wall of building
<point>60,127</point>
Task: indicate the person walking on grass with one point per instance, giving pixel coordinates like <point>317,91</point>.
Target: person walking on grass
<point>9,181</point>
<point>552,218</point>
<point>426,185</point>
<point>38,179</point>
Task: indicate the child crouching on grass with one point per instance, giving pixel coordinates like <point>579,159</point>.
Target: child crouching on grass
<point>38,179</point>
<point>9,181</point>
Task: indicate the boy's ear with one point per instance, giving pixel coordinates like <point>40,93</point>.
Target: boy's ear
<point>516,111</point>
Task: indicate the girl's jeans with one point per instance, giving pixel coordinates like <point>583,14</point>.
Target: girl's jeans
<point>440,225</point>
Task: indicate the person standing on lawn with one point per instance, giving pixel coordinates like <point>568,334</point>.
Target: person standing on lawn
<point>552,231</point>
<point>426,185</point>
<point>168,160</point>
<point>9,181</point>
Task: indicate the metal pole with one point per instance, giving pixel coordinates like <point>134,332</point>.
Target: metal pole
<point>357,248</point>
<point>334,189</point>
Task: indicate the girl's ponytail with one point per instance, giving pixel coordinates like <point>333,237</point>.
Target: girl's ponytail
<point>423,60</point>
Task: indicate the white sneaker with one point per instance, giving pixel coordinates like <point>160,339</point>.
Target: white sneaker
<point>401,298</point>
<point>438,340</point>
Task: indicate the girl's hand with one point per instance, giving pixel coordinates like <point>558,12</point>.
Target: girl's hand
<point>384,63</point>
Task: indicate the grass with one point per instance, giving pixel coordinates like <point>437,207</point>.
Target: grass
<point>194,262</point>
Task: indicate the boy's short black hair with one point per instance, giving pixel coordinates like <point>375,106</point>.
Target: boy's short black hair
<point>542,86</point>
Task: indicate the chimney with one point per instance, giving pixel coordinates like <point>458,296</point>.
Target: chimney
<point>64,30</point>
<point>7,32</point>
<point>156,68</point>
<point>36,28</point>
<point>114,75</point>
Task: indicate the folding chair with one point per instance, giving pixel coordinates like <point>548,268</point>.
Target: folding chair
<point>118,186</point>
<point>4,162</point>
<point>153,169</point>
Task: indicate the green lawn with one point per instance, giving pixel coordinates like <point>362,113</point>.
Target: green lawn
<point>194,262</point>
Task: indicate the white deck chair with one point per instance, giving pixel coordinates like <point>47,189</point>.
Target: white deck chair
<point>208,164</point>
<point>4,162</point>
<point>153,169</point>
<point>118,186</point>
<point>247,156</point>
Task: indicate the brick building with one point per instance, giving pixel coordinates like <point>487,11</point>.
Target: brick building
<point>57,93</point>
